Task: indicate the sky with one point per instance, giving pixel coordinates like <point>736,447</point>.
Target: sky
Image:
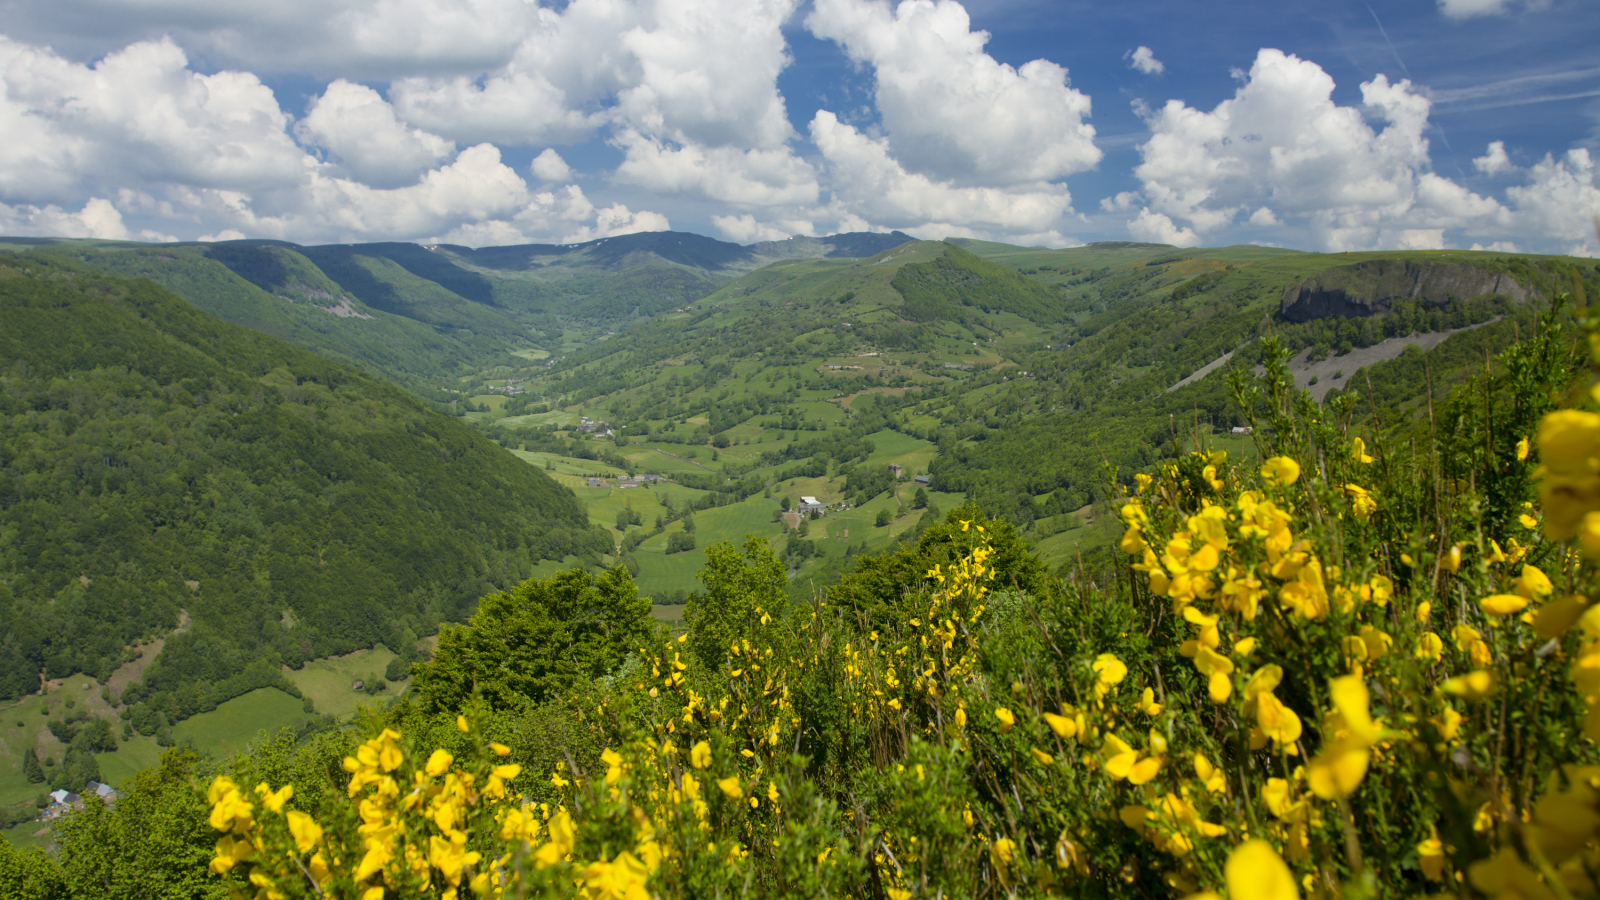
<point>1329,125</point>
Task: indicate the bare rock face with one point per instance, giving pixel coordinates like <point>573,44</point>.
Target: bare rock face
<point>1368,288</point>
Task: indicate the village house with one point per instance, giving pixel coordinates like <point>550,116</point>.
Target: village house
<point>595,482</point>
<point>63,800</point>
<point>894,469</point>
<point>921,479</point>
<point>812,504</point>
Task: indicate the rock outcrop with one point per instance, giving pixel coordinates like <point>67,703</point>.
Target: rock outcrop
<point>1369,288</point>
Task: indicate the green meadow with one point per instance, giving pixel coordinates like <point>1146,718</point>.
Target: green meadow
<point>233,725</point>
<point>327,682</point>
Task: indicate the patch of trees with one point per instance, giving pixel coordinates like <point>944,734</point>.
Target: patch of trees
<point>154,458</point>
<point>864,483</point>
<point>1338,335</point>
<point>945,289</point>
<point>529,643</point>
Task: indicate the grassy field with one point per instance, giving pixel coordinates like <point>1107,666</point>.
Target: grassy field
<point>549,567</point>
<point>912,454</point>
<point>327,681</point>
<point>232,726</point>
<point>22,725</point>
<point>1084,529</point>
<point>554,417</point>
<point>28,834</point>
<point>661,571</point>
<point>132,756</point>
<point>567,465</point>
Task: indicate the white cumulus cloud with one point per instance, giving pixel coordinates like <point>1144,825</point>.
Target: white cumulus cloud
<point>1156,228</point>
<point>869,183</point>
<point>359,130</point>
<point>511,107</point>
<point>138,115</point>
<point>1281,142</point>
<point>706,72</point>
<point>746,230</point>
<point>950,110</point>
<point>752,177</point>
<point>1495,161</point>
<point>358,39</point>
<point>1560,202</point>
<point>97,219</point>
<point>548,166</point>
<point>1143,59</point>
<point>140,135</point>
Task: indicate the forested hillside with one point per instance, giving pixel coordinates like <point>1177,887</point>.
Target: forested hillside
<point>1007,375</point>
<point>429,317</point>
<point>156,461</point>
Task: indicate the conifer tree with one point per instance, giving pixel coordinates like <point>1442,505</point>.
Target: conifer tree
<point>31,768</point>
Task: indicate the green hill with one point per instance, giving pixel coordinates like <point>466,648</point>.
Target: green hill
<point>1021,371</point>
<point>158,464</point>
<point>277,291</point>
<point>429,318</point>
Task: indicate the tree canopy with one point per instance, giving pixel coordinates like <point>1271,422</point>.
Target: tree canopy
<point>527,644</point>
<point>157,462</point>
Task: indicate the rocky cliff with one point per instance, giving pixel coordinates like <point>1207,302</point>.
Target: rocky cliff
<point>1368,288</point>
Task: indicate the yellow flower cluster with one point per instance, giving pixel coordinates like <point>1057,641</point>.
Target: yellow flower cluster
<point>1250,572</point>
<point>411,832</point>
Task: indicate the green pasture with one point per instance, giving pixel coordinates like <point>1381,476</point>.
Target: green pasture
<point>532,354</point>
<point>539,420</point>
<point>15,739</point>
<point>667,459</point>
<point>549,568</point>
<point>828,490</point>
<point>911,453</point>
<point>661,571</point>
<point>28,834</point>
<point>327,681</point>
<point>232,726</point>
<point>604,503</point>
<point>131,757</point>
<point>568,465</point>
<point>22,725</point>
<point>1088,528</point>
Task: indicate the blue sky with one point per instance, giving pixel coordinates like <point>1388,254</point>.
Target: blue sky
<point>1334,125</point>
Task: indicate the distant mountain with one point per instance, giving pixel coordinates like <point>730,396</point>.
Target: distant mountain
<point>424,315</point>
<point>853,245</point>
<point>155,458</point>
<point>625,251</point>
